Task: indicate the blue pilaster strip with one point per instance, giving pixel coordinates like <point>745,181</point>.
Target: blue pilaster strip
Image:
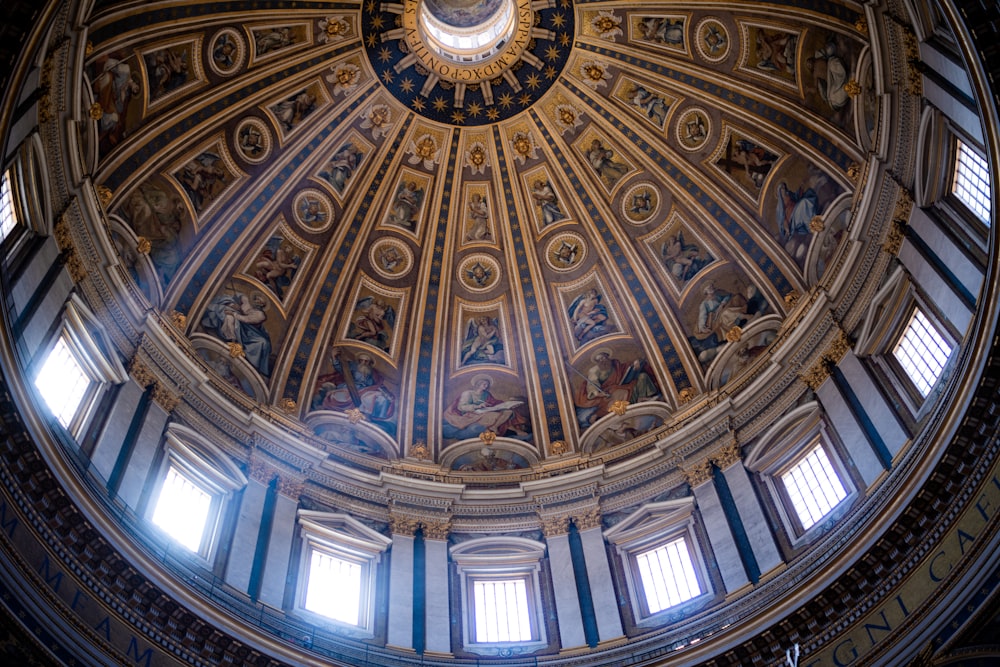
<point>736,526</point>
<point>667,350</point>
<point>538,343</point>
<point>859,412</point>
<point>943,270</point>
<point>425,368</point>
<point>591,633</point>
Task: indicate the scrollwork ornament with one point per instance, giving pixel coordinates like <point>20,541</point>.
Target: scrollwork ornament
<point>179,319</point>
<point>287,405</point>
<point>734,334</point>
<point>619,407</point>
<point>96,111</point>
<point>839,346</point>
<point>894,238</point>
<point>488,437</point>
<point>104,195</point>
<point>354,415</point>
<point>792,298</point>
<point>290,487</point>
<point>816,375</point>
<point>236,350</point>
<point>143,245</point>
<point>559,447</point>
<point>420,451</point>
<point>260,471</point>
<point>686,394</point>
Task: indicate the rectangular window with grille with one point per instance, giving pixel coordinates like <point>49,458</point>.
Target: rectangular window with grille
<point>922,352</point>
<point>334,587</point>
<point>813,487</point>
<point>501,608</point>
<point>8,214</point>
<point>971,181</point>
<point>183,509</point>
<point>667,575</point>
<point>63,383</point>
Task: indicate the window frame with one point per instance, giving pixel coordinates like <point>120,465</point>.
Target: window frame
<point>344,537</point>
<point>206,466</point>
<point>886,320</point>
<point>783,447</point>
<point>957,141</point>
<point>500,559</point>
<point>87,341</point>
<point>648,528</point>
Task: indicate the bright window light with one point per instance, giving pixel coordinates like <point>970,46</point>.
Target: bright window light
<point>971,181</point>
<point>62,382</point>
<point>334,587</point>
<point>922,352</point>
<point>182,510</point>
<point>668,576</point>
<point>813,487</point>
<point>8,216</point>
<point>502,613</point>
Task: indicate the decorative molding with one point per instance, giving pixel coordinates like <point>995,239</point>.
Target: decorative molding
<point>728,455</point>
<point>165,398</point>
<point>588,519</point>
<point>555,525</point>
<point>290,487</point>
<point>816,375</point>
<point>436,530</point>
<point>140,372</point>
<point>698,473</point>
<point>419,450</point>
<point>403,525</point>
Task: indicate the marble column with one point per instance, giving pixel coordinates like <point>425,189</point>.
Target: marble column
<point>437,600</point>
<point>713,517</point>
<point>568,612</point>
<point>137,468</point>
<point>602,588</point>
<point>245,535</point>
<point>400,622</point>
<point>279,546</point>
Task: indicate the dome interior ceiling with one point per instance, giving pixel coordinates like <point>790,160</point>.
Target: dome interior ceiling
<point>562,245</point>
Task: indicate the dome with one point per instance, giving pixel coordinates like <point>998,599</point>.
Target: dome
<point>549,298</point>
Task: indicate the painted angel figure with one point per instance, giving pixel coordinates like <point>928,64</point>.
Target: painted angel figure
<point>482,341</point>
<point>373,322</point>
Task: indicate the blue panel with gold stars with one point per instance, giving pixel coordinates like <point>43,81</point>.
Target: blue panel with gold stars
<point>461,88</point>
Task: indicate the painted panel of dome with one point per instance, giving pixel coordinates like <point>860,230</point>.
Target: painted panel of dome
<point>227,52</point>
<point>268,41</point>
<point>482,335</point>
<point>745,161</point>
<point>490,459</point>
<point>522,142</point>
<point>118,88</point>
<point>477,158</point>
<point>723,300</point>
<point>613,430</point>
<point>230,370</point>
<point>276,264</point>
<point>644,100</point>
<point>660,31</point>
<point>566,115</point>
<point>405,208</point>
<point>206,176</point>
<point>478,221</point>
<point>376,318</point>
<point>313,210</point>
<point>801,191</point>
<point>566,252</point>
<point>770,52</point>
<point>546,200</point>
<point>868,102</point>
<point>588,313</point>
<point>344,163</point>
<point>829,232</point>
<point>831,62</point>
<point>252,140</point>
<point>643,204</point>
<point>155,210</point>
<point>169,68</point>
<point>747,345</point>
<point>609,379</point>
<point>291,111</point>
<point>238,315</point>
<point>338,434</point>
<point>479,273</point>
<point>133,256</point>
<point>484,402</point>
<point>679,252</point>
<point>347,76</point>
<point>351,379</point>
<point>606,161</point>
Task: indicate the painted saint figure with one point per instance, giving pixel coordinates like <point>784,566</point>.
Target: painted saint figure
<point>479,219</point>
<point>238,318</point>
<point>546,200</point>
<point>406,205</point>
<point>482,342</point>
<point>589,316</point>
<point>603,161</point>
<point>609,380</point>
<point>373,322</point>
<point>356,383</point>
<point>477,410</point>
